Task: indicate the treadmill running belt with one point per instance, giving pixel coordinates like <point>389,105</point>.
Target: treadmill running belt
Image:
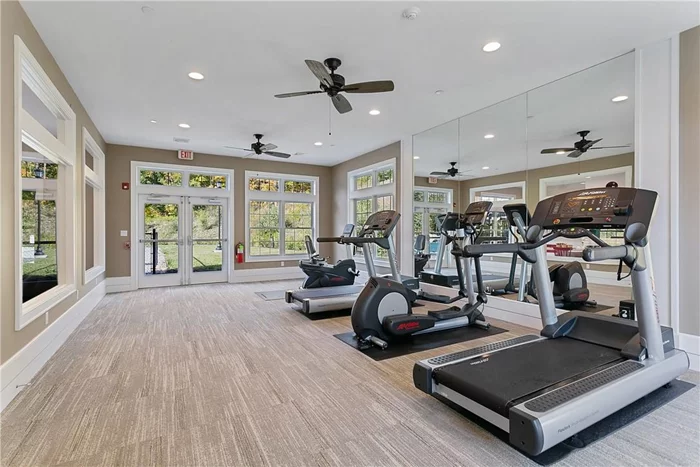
<point>499,378</point>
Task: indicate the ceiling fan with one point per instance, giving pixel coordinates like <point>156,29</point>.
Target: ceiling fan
<point>260,148</point>
<point>580,146</point>
<point>451,172</point>
<point>333,84</point>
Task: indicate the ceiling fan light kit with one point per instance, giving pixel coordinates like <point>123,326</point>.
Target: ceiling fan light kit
<point>333,84</point>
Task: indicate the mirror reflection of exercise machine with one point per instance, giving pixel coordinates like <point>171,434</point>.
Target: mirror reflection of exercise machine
<point>583,367</point>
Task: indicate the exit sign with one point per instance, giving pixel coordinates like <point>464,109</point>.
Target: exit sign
<point>185,155</point>
<point>432,180</point>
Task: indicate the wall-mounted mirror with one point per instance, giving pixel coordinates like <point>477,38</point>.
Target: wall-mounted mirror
<point>581,136</point>
<point>436,191</point>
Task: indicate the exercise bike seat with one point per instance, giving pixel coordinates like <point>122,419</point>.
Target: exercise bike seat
<point>448,313</point>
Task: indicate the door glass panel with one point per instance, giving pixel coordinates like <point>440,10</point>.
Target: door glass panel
<point>207,237</point>
<point>160,238</point>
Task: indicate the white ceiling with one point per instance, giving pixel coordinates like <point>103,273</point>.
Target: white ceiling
<point>128,67</point>
<point>545,117</point>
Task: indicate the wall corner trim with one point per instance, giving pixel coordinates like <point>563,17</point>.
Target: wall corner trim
<point>25,364</point>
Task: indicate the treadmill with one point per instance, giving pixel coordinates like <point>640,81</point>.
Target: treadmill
<point>378,230</point>
<point>582,367</point>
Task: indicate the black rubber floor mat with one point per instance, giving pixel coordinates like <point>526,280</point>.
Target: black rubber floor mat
<point>591,309</point>
<point>422,342</point>
<point>593,433</point>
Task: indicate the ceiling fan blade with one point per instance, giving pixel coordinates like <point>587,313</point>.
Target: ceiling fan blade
<point>277,154</point>
<point>590,144</point>
<point>295,94</point>
<point>556,150</point>
<point>268,147</point>
<point>239,149</point>
<point>614,147</point>
<point>341,104</point>
<point>574,154</point>
<point>320,71</point>
<point>369,86</point>
<point>438,174</point>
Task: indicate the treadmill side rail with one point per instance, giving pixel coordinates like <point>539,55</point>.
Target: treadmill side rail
<point>535,432</point>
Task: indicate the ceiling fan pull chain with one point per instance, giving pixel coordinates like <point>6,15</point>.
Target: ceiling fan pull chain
<point>329,117</point>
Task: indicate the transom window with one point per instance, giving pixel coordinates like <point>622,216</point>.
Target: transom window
<point>280,211</point>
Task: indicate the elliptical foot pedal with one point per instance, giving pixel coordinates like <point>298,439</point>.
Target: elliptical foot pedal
<point>449,313</point>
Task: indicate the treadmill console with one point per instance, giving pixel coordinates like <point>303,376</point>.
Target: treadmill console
<point>380,224</point>
<point>476,213</point>
<point>347,231</point>
<point>449,222</point>
<point>597,208</point>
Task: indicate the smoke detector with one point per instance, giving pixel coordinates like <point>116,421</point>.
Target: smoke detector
<point>411,13</point>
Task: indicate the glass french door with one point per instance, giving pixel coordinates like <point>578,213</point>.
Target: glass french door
<point>182,240</point>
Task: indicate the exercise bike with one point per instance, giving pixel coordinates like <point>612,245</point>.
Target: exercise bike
<point>321,274</point>
<point>420,259</point>
<point>382,312</point>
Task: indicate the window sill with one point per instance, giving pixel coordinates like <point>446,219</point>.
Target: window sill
<point>36,307</point>
<point>93,273</point>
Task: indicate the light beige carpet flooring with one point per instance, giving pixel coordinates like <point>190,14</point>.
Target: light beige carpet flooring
<point>213,375</point>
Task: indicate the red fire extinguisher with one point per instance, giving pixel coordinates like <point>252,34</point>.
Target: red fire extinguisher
<point>239,252</point>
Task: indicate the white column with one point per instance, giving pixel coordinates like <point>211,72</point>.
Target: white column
<point>656,162</point>
<point>405,249</point>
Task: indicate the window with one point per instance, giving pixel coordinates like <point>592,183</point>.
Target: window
<point>93,209</point>
<point>371,189</point>
<point>428,205</point>
<point>160,177</point>
<point>198,180</point>
<point>44,184</point>
<point>281,211</point>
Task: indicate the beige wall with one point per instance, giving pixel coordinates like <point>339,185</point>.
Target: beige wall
<point>533,177</point>
<point>118,170</point>
<point>340,182</point>
<point>689,180</point>
<point>15,21</point>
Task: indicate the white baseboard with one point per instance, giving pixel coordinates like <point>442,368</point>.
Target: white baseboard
<point>267,274</point>
<point>691,344</point>
<point>25,364</point>
<point>118,284</point>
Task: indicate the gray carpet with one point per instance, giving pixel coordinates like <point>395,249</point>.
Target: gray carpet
<point>214,376</point>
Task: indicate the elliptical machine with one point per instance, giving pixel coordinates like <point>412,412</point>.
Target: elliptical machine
<point>321,274</point>
<point>383,313</point>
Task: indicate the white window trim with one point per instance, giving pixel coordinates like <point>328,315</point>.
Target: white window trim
<point>138,189</point>
<point>570,178</point>
<point>282,197</point>
<point>95,177</point>
<point>60,150</point>
<point>373,193</point>
<point>474,190</point>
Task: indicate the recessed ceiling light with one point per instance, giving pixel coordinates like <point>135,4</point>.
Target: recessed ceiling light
<point>438,92</point>
<point>318,143</point>
<point>196,75</point>
<point>486,167</point>
<point>588,176</point>
<point>488,136</point>
<point>491,47</point>
<point>374,112</point>
<point>416,157</point>
<point>619,98</point>
<point>561,152</point>
<point>183,125</point>
<point>154,121</point>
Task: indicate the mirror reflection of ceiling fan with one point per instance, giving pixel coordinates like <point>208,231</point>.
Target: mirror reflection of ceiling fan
<point>260,148</point>
<point>581,146</point>
<point>332,84</point>
<point>452,172</point>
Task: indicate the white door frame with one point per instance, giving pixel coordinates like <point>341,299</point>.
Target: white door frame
<point>137,189</point>
<point>205,277</point>
<point>160,280</point>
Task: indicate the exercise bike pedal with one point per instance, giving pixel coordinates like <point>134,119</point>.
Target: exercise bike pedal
<point>448,313</point>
